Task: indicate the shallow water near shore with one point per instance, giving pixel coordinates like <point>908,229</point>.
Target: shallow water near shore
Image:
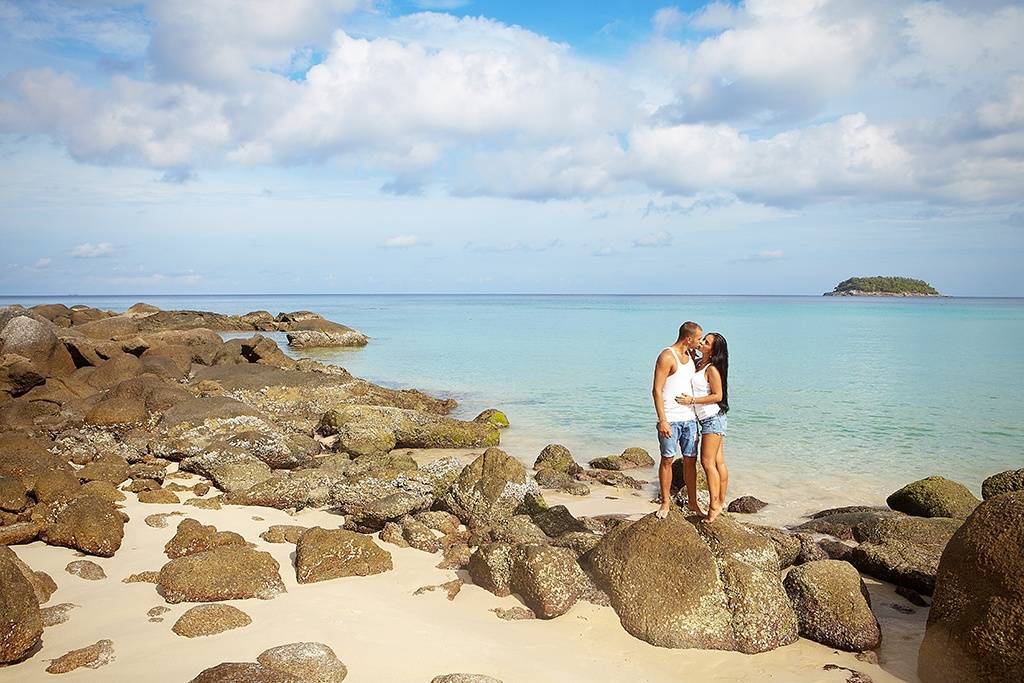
<point>833,400</point>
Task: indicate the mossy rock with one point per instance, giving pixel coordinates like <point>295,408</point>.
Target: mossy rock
<point>493,417</point>
<point>1004,482</point>
<point>975,628</point>
<point>833,606</point>
<point>934,497</point>
<point>558,458</point>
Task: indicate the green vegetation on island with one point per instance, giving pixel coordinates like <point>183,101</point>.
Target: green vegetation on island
<point>883,286</point>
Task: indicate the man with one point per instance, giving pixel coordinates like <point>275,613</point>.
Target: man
<point>677,423</point>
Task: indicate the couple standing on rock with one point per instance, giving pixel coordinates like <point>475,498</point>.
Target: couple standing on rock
<point>691,398</point>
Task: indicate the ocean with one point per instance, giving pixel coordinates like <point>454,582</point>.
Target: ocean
<point>832,398</point>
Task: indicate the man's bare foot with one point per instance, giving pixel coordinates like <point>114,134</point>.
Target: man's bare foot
<point>712,514</point>
<point>695,509</point>
<point>662,513</point>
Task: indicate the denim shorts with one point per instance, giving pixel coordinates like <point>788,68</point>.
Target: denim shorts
<point>682,440</point>
<point>716,424</point>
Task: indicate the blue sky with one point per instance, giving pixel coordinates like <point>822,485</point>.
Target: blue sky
<point>441,146</point>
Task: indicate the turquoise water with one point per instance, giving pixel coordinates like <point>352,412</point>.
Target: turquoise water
<point>860,393</point>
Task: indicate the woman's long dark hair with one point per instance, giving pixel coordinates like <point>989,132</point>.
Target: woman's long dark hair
<point>719,357</point>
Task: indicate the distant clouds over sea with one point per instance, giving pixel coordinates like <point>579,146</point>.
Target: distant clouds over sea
<point>766,146</point>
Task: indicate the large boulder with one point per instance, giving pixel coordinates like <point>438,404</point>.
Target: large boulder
<point>13,494</point>
<point>548,579</point>
<point>975,628</point>
<point>230,468</point>
<point>832,605</point>
<point>677,583</point>
<point>934,497</point>
<point>18,375</point>
<point>323,554</point>
<point>42,583</point>
<point>319,339</point>
<point>840,522</point>
<point>36,341</point>
<point>903,550</point>
<point>557,520</point>
<point>388,509</point>
<point>375,430</point>
<point>223,573</point>
<point>295,490</point>
<point>21,623</point>
<point>87,523</point>
<point>490,567</point>
<point>490,489</point>
<point>27,458</point>
<point>1004,482</point>
<point>107,467</point>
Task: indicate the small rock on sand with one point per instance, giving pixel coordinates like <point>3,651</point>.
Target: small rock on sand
<point>159,497</point>
<point>57,614</point>
<point>208,620</point>
<point>94,656</point>
<point>86,569</point>
<point>514,613</point>
<point>142,577</point>
<point>451,587</point>
<point>283,533</point>
<point>159,520</point>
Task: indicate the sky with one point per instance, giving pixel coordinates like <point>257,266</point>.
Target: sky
<point>449,146</point>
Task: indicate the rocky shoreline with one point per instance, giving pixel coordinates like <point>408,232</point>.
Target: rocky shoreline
<point>104,416</point>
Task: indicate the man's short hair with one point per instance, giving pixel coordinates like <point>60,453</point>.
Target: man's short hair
<point>688,329</point>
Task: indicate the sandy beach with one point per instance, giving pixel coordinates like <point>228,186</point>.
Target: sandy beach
<point>383,632</point>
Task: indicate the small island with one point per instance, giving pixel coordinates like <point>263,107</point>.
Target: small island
<point>883,286</point>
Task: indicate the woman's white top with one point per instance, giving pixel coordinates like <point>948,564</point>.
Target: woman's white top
<point>677,384</point>
<point>701,387</point>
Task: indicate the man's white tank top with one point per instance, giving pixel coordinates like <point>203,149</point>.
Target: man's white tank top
<point>679,382</point>
<point>702,388</point>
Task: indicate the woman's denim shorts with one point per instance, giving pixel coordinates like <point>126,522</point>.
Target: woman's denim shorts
<point>716,424</point>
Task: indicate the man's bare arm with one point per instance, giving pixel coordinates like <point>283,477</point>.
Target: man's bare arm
<point>661,372</point>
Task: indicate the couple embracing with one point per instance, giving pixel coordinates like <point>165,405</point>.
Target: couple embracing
<point>691,398</point>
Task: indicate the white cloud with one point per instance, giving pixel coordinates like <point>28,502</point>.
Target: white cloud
<point>775,103</point>
<point>226,43</point>
<point>668,19</point>
<point>42,263</point>
<point>89,250</point>
<point>401,241</point>
<point>848,157</point>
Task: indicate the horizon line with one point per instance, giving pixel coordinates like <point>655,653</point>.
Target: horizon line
<point>482,294</point>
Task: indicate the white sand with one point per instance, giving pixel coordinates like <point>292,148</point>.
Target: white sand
<point>383,632</point>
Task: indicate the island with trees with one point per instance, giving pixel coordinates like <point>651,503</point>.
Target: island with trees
<point>883,286</point>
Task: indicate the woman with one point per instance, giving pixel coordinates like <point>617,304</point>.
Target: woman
<point>710,401</point>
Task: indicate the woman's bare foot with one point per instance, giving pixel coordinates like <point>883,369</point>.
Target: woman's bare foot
<point>695,509</point>
<point>662,513</point>
<point>712,514</point>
